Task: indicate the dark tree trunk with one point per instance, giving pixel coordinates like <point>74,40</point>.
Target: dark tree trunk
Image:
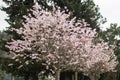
<point>67,75</point>
<point>57,76</point>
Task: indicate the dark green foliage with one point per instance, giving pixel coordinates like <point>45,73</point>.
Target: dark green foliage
<point>1,74</point>
<point>4,37</point>
<point>109,35</point>
<point>112,37</point>
<point>82,9</point>
<point>15,10</point>
<point>28,71</point>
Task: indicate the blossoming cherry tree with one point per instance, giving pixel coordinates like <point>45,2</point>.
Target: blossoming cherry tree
<point>63,43</point>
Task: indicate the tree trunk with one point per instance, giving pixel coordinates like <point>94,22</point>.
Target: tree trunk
<point>57,76</point>
<point>12,78</point>
<point>73,77</point>
<point>94,77</point>
<point>76,75</point>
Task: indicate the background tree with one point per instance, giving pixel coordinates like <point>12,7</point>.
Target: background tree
<point>1,74</point>
<point>112,36</point>
<point>3,37</point>
<point>82,9</point>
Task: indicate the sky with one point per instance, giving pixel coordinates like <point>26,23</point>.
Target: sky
<point>3,16</point>
<point>108,8</point>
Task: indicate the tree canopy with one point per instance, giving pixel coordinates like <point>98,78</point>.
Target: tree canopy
<point>62,43</point>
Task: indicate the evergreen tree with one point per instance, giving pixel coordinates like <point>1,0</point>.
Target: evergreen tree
<point>112,36</point>
<point>82,9</point>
